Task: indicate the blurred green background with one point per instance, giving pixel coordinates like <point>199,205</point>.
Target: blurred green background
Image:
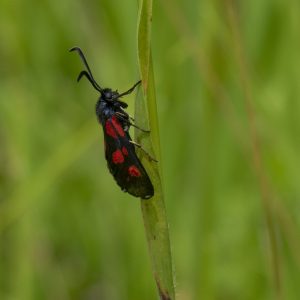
<point>66,229</point>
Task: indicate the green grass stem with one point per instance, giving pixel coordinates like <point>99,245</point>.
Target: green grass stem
<point>153,210</point>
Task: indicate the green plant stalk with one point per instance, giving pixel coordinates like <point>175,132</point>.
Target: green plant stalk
<point>153,210</point>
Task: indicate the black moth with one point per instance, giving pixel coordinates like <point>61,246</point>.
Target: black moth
<point>122,160</point>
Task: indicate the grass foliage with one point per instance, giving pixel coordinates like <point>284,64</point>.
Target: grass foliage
<point>66,229</point>
<point>154,213</point>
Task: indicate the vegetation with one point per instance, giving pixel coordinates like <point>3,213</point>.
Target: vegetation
<point>226,81</point>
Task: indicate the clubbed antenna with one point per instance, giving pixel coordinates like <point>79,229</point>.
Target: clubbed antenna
<point>88,74</point>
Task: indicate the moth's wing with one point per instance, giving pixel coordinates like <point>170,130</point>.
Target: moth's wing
<point>123,162</point>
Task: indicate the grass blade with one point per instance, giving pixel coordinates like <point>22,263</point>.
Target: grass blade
<point>153,210</point>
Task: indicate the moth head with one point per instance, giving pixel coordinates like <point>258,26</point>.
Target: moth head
<point>109,95</point>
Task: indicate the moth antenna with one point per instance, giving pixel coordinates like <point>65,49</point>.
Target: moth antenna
<point>130,90</point>
<point>89,72</point>
<point>88,76</point>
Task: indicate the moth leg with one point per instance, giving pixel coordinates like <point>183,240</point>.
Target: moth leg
<point>140,147</point>
<point>144,130</point>
<point>131,118</point>
<point>124,118</point>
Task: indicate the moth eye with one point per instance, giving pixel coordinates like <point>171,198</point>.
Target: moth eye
<point>108,95</point>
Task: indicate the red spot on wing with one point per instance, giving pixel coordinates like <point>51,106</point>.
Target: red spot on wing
<point>117,126</point>
<point>124,150</point>
<point>117,157</point>
<point>109,129</point>
<point>134,171</point>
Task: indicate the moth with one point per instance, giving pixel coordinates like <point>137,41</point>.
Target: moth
<point>120,154</point>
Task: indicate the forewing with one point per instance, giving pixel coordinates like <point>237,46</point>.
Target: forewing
<point>123,162</point>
